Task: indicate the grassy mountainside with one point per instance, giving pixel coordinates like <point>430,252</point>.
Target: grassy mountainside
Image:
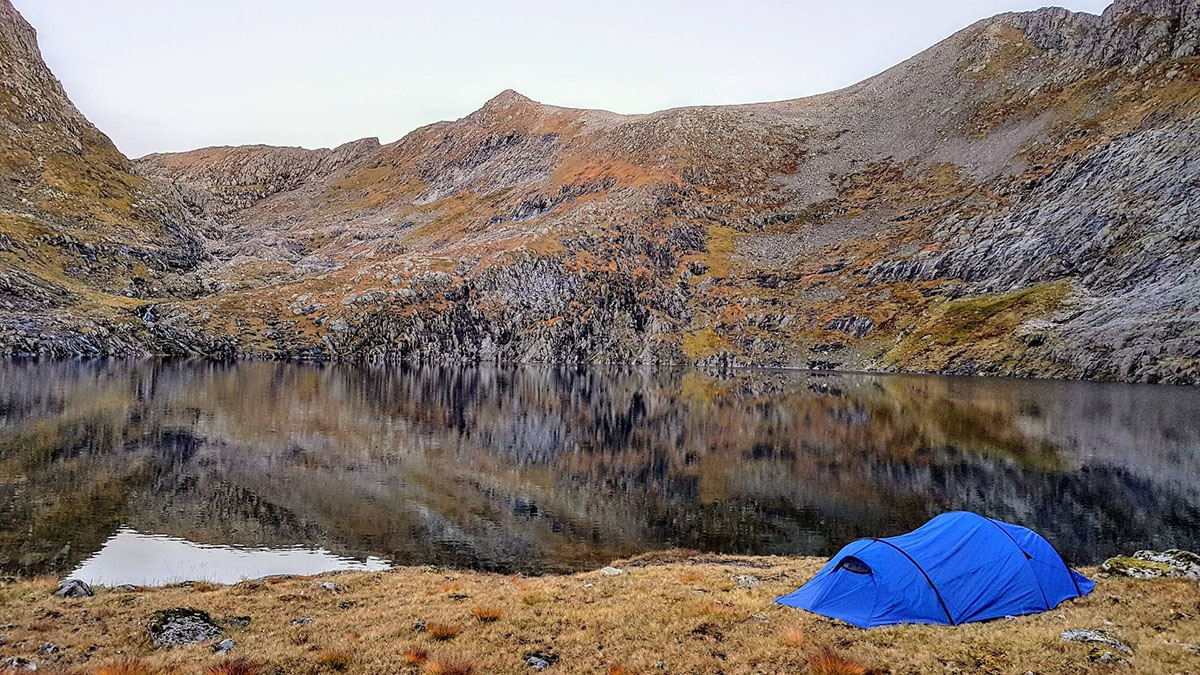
<point>1017,200</point>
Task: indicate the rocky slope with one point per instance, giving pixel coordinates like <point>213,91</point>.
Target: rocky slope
<point>1019,199</point>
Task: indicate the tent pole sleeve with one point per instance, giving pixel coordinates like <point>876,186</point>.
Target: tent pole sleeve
<point>936,592</point>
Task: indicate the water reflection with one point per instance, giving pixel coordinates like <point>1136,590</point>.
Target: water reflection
<point>539,469</point>
<point>130,557</point>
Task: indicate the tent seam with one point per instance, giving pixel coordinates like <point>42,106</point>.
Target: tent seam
<point>1037,580</point>
<point>936,592</point>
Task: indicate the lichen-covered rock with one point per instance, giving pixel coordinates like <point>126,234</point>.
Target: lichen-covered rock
<point>1096,637</point>
<point>1172,563</point>
<point>182,626</point>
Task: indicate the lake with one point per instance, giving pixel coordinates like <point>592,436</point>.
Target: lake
<point>150,472</point>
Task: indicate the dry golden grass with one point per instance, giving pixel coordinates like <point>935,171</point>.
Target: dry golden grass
<point>486,614</point>
<point>125,667</point>
<point>646,616</point>
<point>443,631</point>
<point>450,668</point>
<point>235,667</point>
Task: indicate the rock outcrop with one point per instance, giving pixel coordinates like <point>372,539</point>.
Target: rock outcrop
<point>1019,199</point>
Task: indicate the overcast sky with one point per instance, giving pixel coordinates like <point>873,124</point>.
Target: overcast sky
<point>162,75</point>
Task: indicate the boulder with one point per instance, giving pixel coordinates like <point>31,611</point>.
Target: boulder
<point>1172,563</point>
<point>182,626</point>
<point>73,588</point>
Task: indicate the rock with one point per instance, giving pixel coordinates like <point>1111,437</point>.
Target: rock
<point>745,581</point>
<point>328,586</point>
<point>17,663</point>
<point>47,648</point>
<point>537,663</point>
<point>418,626</point>
<point>238,621</point>
<point>302,621</point>
<point>73,588</point>
<point>1172,563</point>
<point>760,617</point>
<point>224,646</point>
<point>612,571</point>
<point>182,626</point>
<point>1096,637</point>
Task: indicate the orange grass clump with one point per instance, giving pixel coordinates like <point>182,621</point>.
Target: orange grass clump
<point>487,614</point>
<point>828,662</point>
<point>334,659</point>
<point>793,636</point>
<point>442,631</point>
<point>416,656</point>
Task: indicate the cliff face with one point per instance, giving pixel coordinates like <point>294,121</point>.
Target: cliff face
<point>1019,199</point>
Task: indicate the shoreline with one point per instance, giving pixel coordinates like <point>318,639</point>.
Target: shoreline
<point>663,613</point>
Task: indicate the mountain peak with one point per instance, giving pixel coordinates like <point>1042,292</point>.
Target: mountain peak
<point>506,98</point>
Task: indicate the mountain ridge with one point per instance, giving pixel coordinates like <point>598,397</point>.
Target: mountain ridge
<point>897,224</point>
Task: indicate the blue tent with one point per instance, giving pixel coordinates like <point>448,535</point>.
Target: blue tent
<point>958,567</point>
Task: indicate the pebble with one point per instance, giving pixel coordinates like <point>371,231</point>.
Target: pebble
<point>612,571</point>
<point>18,663</point>
<point>329,586</point>
<point>302,621</point>
<point>537,663</point>
<point>224,646</point>
<point>47,648</point>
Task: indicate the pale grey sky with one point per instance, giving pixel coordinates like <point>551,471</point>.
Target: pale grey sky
<point>162,75</point>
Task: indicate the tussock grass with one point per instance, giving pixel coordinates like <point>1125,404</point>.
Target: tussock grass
<point>487,614</point>
<point>680,612</point>
<point>443,631</point>
<point>416,656</point>
<point>829,662</point>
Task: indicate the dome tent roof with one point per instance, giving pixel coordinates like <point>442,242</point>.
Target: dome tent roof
<point>957,568</point>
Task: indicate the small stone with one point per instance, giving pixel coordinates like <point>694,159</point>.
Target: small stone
<point>328,586</point>
<point>537,663</point>
<point>73,588</point>
<point>588,585</point>
<point>47,648</point>
<point>612,571</point>
<point>238,621</point>
<point>224,646</point>
<point>419,626</point>
<point>761,617</point>
<point>1096,637</point>
<point>126,588</point>
<point>745,581</point>
<point>302,621</point>
<point>182,626</point>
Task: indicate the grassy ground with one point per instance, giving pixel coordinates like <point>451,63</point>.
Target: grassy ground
<point>666,614</point>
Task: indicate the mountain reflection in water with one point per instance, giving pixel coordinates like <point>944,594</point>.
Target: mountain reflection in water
<point>538,469</point>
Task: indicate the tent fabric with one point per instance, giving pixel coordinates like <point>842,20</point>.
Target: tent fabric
<point>957,568</point>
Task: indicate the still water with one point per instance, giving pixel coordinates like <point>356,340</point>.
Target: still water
<point>148,472</point>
